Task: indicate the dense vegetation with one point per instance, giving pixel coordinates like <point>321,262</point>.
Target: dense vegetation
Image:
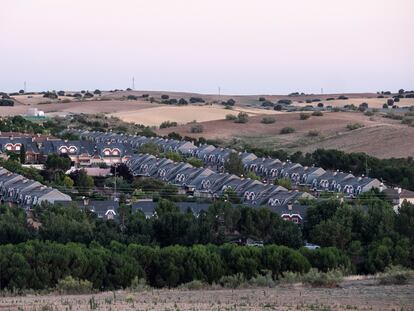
<point>176,247</point>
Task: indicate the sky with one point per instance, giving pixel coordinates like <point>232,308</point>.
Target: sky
<point>241,46</point>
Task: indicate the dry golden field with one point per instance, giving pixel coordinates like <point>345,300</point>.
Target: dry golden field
<point>351,295</point>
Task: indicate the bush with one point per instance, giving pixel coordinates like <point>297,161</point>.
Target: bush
<point>196,128</point>
<point>407,121</point>
<point>232,281</point>
<point>313,133</point>
<point>262,99</point>
<point>369,113</point>
<point>278,107</point>
<point>323,279</point>
<point>284,101</point>
<point>320,105</point>
<point>193,285</point>
<point>287,130</point>
<point>262,281</point>
<point>354,126</point>
<point>267,103</point>
<point>242,117</point>
<point>194,100</point>
<point>167,124</point>
<point>182,102</point>
<point>342,97</point>
<point>289,277</point>
<point>97,92</point>
<point>164,96</point>
<point>70,285</point>
<point>385,106</point>
<point>390,102</point>
<point>304,116</point>
<point>268,120</point>
<point>6,102</point>
<point>138,284</point>
<point>396,275</point>
<point>317,114</point>
<point>230,102</point>
<point>231,117</point>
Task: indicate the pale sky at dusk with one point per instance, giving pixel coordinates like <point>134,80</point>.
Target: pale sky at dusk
<point>244,46</point>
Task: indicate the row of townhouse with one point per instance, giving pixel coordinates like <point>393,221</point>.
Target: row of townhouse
<point>206,183</point>
<point>81,152</point>
<point>16,189</point>
<point>268,169</point>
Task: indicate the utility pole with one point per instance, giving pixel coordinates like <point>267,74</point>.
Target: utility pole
<point>24,86</point>
<point>115,183</point>
<point>133,83</point>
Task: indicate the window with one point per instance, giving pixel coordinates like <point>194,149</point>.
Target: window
<point>106,152</point>
<point>9,147</point>
<point>72,149</point>
<point>115,152</point>
<point>63,150</point>
<point>18,146</point>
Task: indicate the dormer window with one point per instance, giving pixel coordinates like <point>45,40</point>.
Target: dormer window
<point>107,152</point>
<point>63,150</point>
<point>115,152</point>
<point>9,147</point>
<point>72,149</point>
<point>18,147</point>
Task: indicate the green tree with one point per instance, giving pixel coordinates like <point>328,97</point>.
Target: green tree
<point>84,183</point>
<point>22,154</point>
<point>234,164</point>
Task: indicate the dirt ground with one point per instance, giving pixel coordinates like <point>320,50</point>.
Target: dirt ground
<point>183,114</point>
<point>380,137</point>
<point>351,295</point>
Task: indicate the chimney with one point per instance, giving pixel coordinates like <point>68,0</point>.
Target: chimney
<point>399,190</point>
<point>381,187</point>
<point>85,201</point>
<point>290,205</point>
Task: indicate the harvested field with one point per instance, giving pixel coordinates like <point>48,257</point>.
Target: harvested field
<point>183,114</point>
<point>379,137</point>
<point>352,295</point>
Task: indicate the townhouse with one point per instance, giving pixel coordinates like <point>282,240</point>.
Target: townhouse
<point>18,190</point>
<point>268,169</point>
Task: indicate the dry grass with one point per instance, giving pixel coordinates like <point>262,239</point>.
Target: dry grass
<point>352,295</point>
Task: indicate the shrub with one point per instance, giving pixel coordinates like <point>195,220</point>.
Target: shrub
<point>88,95</point>
<point>369,113</point>
<point>194,100</point>
<point>287,130</point>
<point>284,101</point>
<point>385,106</point>
<point>182,102</point>
<point>320,105</point>
<point>390,101</point>
<point>145,95</point>
<point>317,114</point>
<point>267,103</point>
<point>323,279</point>
<point>407,121</point>
<point>342,97</point>
<point>392,115</point>
<point>289,277</point>
<point>164,96</point>
<point>132,97</point>
<point>262,281</point>
<point>354,126</point>
<point>330,98</point>
<point>396,275</point>
<point>61,93</point>
<point>70,285</point>
<point>97,92</point>
<point>196,128</point>
<point>313,133</point>
<point>396,99</point>
<point>268,120</point>
<point>242,117</point>
<point>138,284</point>
<point>167,124</point>
<point>262,99</point>
<point>232,281</point>
<point>230,102</point>
<point>231,117</point>
<point>304,116</point>
<point>278,107</point>
<point>6,102</point>
<point>193,285</point>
